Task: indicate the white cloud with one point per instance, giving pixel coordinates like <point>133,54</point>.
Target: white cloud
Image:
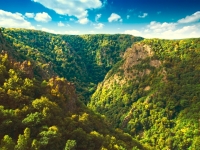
<point>193,18</point>
<point>13,20</point>
<point>161,30</point>
<point>105,2</point>
<point>133,32</point>
<point>42,17</point>
<point>71,19</point>
<point>167,31</point>
<point>98,16</point>
<point>181,32</point>
<point>99,25</point>
<point>193,30</point>
<point>77,8</point>
<point>60,24</point>
<point>92,32</point>
<point>146,31</point>
<point>143,16</point>
<point>83,20</point>
<point>178,32</point>
<point>49,30</point>
<point>128,16</point>
<point>72,32</point>
<point>29,15</point>
<point>114,17</point>
<point>160,27</point>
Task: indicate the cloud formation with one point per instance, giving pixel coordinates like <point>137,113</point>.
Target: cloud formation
<point>60,24</point>
<point>143,16</point>
<point>98,16</point>
<point>14,20</point>
<point>29,15</point>
<point>128,16</point>
<point>77,8</point>
<point>170,30</point>
<point>158,27</point>
<point>114,17</point>
<point>167,31</point>
<point>49,30</point>
<point>71,32</point>
<point>83,20</point>
<point>99,25</point>
<point>189,19</point>
<point>42,17</point>
<point>133,32</point>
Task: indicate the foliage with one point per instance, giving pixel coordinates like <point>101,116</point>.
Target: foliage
<point>70,145</point>
<point>154,95</point>
<point>141,90</point>
<point>39,112</point>
<point>82,59</point>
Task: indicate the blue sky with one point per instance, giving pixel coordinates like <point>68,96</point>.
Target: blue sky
<point>169,19</point>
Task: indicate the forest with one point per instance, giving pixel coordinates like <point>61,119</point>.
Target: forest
<point>153,93</point>
<point>114,92</point>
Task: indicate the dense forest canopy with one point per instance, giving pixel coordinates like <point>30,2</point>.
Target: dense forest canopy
<point>153,93</point>
<point>83,59</point>
<point>40,110</point>
<point>139,93</point>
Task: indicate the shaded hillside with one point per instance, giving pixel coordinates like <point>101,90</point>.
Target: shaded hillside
<point>83,59</point>
<point>153,93</point>
<point>43,113</point>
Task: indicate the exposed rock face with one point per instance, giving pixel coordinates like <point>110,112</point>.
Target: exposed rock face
<point>134,56</point>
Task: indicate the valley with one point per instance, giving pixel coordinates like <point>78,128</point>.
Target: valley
<point>98,92</point>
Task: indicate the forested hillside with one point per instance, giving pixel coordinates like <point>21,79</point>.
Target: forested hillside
<point>41,111</point>
<point>135,89</point>
<point>82,59</point>
<point>153,93</point>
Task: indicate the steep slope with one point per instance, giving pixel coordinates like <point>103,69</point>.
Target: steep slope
<point>153,93</point>
<point>83,60</point>
<point>39,112</point>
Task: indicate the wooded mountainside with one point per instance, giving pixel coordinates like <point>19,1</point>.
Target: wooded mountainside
<point>98,92</point>
<point>153,93</point>
<point>39,108</point>
<point>84,59</point>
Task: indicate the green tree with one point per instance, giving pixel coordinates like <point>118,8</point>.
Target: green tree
<point>23,142</point>
<point>70,145</point>
<point>7,143</point>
